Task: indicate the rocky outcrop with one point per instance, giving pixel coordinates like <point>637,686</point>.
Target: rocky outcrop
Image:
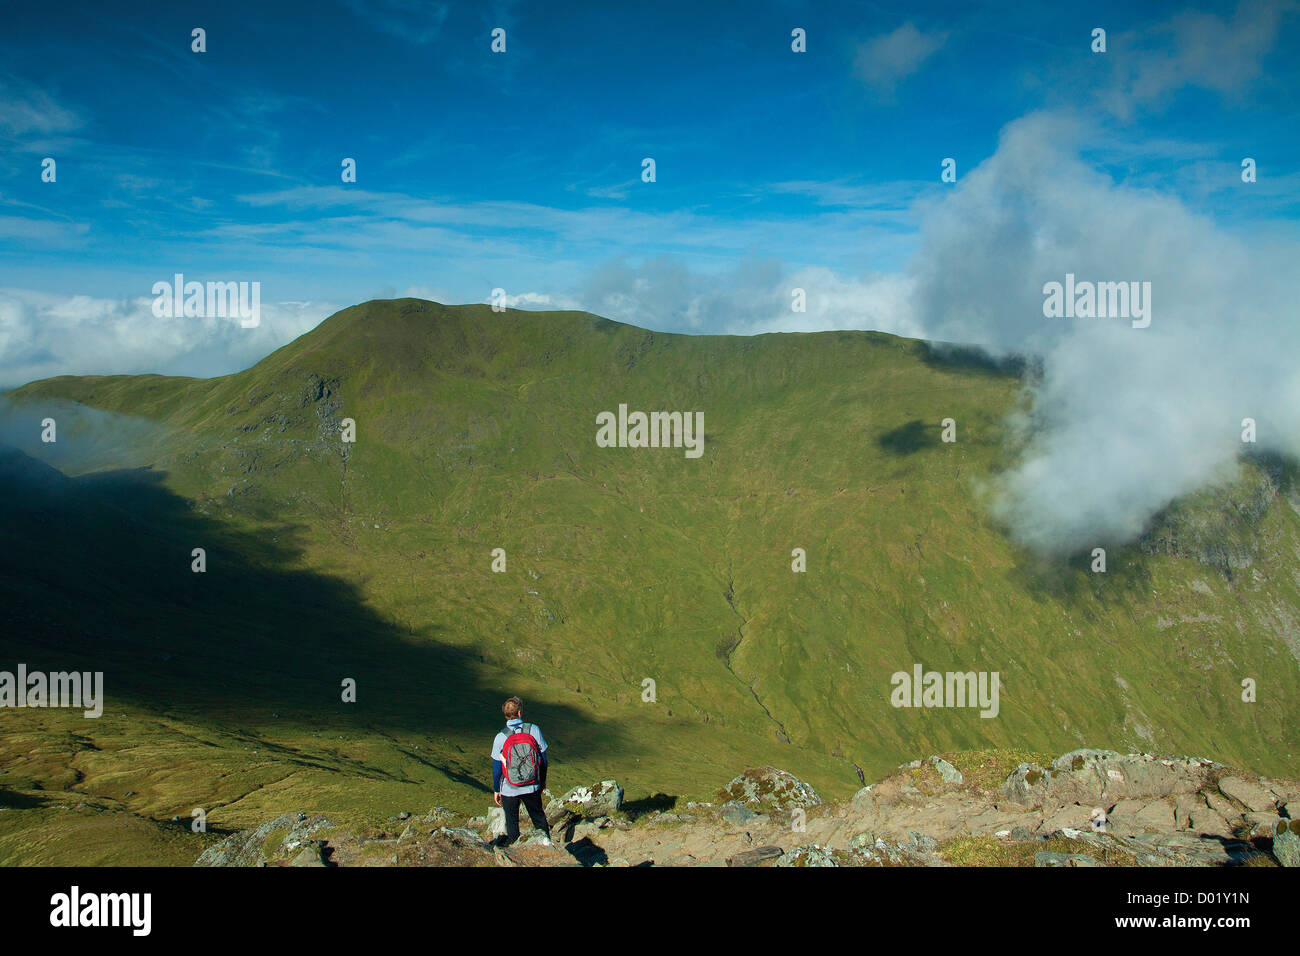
<point>286,838</point>
<point>1085,808</point>
<point>1104,777</point>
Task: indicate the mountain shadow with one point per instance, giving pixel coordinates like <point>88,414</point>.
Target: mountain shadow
<point>95,574</point>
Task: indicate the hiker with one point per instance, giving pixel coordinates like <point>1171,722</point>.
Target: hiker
<point>519,772</point>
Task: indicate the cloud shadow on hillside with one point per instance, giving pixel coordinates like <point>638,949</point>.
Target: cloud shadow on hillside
<point>910,438</point>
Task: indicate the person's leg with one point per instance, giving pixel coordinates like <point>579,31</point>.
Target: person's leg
<point>536,812</point>
<point>510,805</point>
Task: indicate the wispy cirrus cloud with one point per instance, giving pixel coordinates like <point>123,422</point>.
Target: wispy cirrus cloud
<point>419,21</point>
<point>27,110</point>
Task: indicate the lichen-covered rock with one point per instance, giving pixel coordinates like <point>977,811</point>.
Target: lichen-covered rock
<point>266,843</point>
<point>464,837</point>
<point>1104,777</point>
<point>312,856</point>
<point>600,800</point>
<point>808,855</point>
<point>1286,842</point>
<point>769,789</point>
<point>947,772</point>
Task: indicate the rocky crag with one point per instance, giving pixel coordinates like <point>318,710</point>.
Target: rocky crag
<point>1085,808</point>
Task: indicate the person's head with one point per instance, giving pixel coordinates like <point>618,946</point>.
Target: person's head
<point>513,708</point>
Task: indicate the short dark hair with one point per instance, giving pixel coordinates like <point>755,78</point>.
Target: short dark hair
<point>512,707</point>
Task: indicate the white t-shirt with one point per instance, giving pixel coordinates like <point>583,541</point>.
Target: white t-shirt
<point>507,788</point>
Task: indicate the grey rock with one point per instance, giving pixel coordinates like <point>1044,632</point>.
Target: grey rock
<point>1102,778</point>
<point>755,857</point>
<point>949,773</point>
<point>599,800</point>
<point>808,855</point>
<point>735,812</point>
<point>1221,805</point>
<point>863,801</point>
<point>1208,822</point>
<point>1252,795</point>
<point>463,836</point>
<point>1048,858</point>
<point>770,789</point>
<point>248,847</point>
<point>311,856</point>
<point>1286,843</point>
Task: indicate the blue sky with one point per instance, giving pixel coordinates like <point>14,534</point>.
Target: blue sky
<point>522,170</point>
<point>776,172</point>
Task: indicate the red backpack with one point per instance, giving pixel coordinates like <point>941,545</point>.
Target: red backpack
<point>520,757</point>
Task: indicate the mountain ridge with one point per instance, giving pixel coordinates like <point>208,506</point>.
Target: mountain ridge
<point>476,431</point>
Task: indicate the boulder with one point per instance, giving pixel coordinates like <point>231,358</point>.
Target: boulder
<point>862,840</point>
<point>265,843</point>
<point>1286,843</point>
<point>808,855</point>
<point>755,857</point>
<point>496,821</point>
<point>949,773</point>
<point>599,800</point>
<point>1246,792</point>
<point>311,856</point>
<point>463,836</point>
<point>771,790</point>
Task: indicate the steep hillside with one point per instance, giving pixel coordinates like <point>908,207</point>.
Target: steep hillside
<point>476,431</point>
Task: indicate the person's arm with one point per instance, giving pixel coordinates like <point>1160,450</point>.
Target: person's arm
<point>541,777</point>
<point>496,776</point>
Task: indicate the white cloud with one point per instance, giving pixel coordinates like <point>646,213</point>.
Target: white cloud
<point>26,110</point>
<point>1124,419</point>
<point>885,61</point>
<point>44,334</point>
<point>1194,49</point>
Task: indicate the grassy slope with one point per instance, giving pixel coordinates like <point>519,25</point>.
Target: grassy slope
<point>476,431</point>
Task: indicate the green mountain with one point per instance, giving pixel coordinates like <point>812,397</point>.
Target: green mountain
<point>372,560</point>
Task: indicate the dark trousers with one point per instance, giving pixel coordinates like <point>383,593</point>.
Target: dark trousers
<point>533,804</point>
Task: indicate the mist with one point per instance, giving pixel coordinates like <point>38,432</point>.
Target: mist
<point>1123,420</point>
